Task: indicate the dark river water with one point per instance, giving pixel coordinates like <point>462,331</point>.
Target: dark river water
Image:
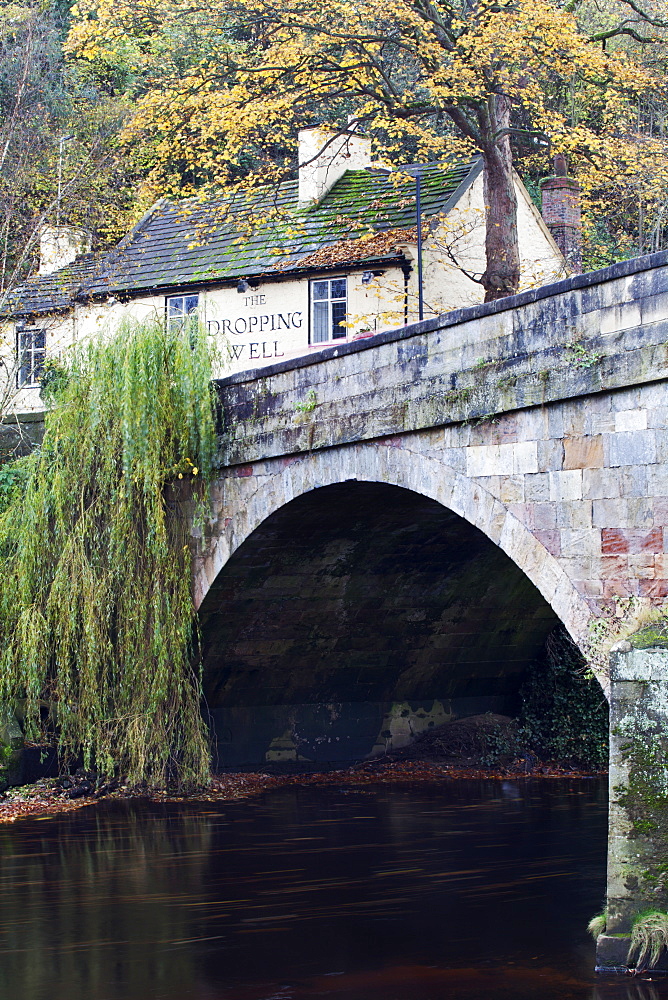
<point>474,890</point>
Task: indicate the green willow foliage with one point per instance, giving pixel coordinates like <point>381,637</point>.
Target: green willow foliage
<point>96,611</point>
<point>13,476</point>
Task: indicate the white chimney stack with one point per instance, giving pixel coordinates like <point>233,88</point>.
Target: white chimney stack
<point>324,157</point>
<point>60,245</point>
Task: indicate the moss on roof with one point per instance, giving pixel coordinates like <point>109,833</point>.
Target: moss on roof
<point>46,293</point>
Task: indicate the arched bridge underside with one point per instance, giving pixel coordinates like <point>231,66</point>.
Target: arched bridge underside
<point>533,432</point>
<point>359,615</point>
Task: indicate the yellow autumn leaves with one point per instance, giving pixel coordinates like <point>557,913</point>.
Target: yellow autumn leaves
<point>221,91</point>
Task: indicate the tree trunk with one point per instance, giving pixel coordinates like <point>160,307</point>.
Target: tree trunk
<point>502,274</point>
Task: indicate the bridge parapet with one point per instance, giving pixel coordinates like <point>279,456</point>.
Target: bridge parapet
<point>542,419</point>
<point>596,332</point>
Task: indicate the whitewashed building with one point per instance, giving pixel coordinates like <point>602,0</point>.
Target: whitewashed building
<point>281,271</point>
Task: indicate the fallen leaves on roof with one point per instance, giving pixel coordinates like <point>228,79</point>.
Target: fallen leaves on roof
<point>345,252</point>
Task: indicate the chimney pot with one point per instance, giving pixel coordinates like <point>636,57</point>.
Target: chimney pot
<point>60,245</point>
<point>560,165</point>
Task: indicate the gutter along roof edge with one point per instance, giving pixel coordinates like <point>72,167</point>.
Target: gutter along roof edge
<point>122,293</point>
<point>44,311</point>
<point>230,281</point>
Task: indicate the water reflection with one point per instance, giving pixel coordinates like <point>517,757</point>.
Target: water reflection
<point>478,890</point>
<point>638,989</point>
<point>81,901</point>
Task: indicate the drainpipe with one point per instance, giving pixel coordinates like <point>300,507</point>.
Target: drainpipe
<point>418,211</point>
<point>415,173</point>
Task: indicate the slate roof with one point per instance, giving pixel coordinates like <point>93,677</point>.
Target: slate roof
<point>47,293</point>
<point>361,220</point>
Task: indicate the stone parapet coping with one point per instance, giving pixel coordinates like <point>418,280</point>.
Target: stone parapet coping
<point>589,279</point>
<point>590,334</point>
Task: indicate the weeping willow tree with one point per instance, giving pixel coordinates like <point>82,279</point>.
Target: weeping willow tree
<point>97,620</point>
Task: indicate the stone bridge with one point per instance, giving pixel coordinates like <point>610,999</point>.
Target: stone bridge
<point>399,522</point>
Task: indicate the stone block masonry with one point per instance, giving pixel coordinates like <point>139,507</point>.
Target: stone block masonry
<point>637,835</point>
<point>539,418</point>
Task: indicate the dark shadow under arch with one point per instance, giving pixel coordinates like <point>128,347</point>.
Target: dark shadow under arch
<point>351,599</point>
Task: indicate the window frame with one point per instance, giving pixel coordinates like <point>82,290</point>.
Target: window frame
<point>183,317</point>
<point>311,303</point>
<point>36,356</point>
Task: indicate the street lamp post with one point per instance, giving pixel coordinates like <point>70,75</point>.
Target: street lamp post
<point>415,173</point>
<point>61,142</point>
<point>418,212</point>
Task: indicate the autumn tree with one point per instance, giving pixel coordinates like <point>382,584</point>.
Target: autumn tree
<point>617,144</point>
<point>434,78</point>
<point>57,137</point>
<point>59,163</point>
<point>150,53</point>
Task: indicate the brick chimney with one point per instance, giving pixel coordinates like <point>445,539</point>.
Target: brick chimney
<point>561,212</point>
<point>324,157</point>
<point>60,245</point>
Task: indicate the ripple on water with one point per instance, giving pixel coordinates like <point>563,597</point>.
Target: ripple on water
<point>478,889</point>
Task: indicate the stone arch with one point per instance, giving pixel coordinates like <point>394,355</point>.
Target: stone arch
<point>244,498</point>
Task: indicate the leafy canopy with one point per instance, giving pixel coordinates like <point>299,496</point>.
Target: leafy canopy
<point>417,74</point>
<point>43,99</point>
<point>426,79</point>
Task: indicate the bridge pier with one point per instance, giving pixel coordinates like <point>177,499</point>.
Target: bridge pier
<point>638,816</point>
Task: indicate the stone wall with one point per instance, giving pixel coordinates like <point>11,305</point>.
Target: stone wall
<point>20,436</point>
<point>638,818</point>
<point>593,333</point>
<point>541,419</point>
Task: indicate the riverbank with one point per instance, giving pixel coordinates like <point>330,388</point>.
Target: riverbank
<point>50,797</point>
